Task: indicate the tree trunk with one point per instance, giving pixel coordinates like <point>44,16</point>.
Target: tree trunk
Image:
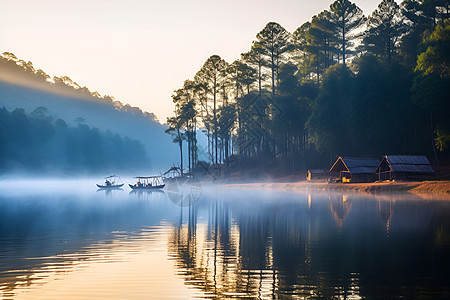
<point>318,67</point>
<point>215,120</point>
<point>180,143</point>
<point>259,79</point>
<point>194,146</point>
<point>432,140</point>
<point>343,44</point>
<point>273,73</point>
<point>189,150</point>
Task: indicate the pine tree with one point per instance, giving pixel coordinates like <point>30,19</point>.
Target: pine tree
<point>210,77</point>
<point>347,19</point>
<point>300,52</point>
<point>386,25</point>
<point>275,42</point>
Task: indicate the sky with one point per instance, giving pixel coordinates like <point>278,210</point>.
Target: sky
<point>140,51</point>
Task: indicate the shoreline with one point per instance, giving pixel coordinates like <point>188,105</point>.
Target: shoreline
<point>415,187</point>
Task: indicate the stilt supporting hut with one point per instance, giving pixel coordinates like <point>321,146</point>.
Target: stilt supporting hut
<point>350,169</point>
<point>404,167</point>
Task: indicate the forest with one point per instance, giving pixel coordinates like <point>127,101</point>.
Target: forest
<point>36,143</point>
<point>341,84</point>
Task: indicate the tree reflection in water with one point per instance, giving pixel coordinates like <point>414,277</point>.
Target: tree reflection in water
<point>292,247</point>
<point>232,243</point>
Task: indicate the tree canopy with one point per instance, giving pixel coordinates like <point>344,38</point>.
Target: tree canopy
<point>340,84</point>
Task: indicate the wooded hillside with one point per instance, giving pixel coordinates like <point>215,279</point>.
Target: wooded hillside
<point>125,137</point>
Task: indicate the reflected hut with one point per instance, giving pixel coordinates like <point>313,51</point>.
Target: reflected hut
<point>404,167</point>
<point>340,207</point>
<point>349,169</point>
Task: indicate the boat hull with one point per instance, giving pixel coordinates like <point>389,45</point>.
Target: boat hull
<point>109,186</point>
<point>153,187</point>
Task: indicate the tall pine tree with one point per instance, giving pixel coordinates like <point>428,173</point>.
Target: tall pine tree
<point>347,19</point>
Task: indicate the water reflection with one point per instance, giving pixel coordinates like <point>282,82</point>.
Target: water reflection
<point>340,206</point>
<point>110,191</point>
<point>227,243</point>
<point>147,194</point>
<point>294,248</point>
<point>385,213</point>
<point>49,236</point>
<point>184,191</point>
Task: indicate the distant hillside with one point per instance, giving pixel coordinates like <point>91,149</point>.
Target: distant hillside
<point>21,86</point>
<point>36,143</point>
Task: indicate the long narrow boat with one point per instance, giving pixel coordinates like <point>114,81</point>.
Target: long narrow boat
<point>111,182</point>
<point>148,183</point>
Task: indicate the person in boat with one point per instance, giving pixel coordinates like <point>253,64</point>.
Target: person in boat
<point>107,182</point>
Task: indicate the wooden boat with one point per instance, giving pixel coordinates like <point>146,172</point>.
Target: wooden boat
<point>148,183</point>
<point>111,182</point>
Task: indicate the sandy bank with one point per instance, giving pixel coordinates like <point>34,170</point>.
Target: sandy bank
<point>436,187</point>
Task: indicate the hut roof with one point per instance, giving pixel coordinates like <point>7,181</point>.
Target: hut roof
<point>172,169</point>
<point>407,163</point>
<point>355,165</point>
<point>317,171</point>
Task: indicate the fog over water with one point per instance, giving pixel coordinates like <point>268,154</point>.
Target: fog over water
<point>65,238</point>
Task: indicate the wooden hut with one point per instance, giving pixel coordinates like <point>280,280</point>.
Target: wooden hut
<point>349,169</point>
<point>405,167</point>
<point>173,172</point>
<point>316,174</point>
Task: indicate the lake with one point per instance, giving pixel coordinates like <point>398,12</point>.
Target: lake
<point>66,240</point>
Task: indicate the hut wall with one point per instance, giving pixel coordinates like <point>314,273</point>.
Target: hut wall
<point>357,177</point>
<point>409,176</point>
<point>311,175</point>
<point>363,177</point>
<point>404,167</point>
<point>382,176</point>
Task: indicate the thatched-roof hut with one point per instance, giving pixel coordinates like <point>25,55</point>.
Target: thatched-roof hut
<point>349,169</point>
<point>406,167</point>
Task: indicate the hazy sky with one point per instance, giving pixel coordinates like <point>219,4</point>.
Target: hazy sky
<point>140,51</point>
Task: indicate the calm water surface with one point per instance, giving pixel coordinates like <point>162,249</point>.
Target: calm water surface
<point>192,242</point>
